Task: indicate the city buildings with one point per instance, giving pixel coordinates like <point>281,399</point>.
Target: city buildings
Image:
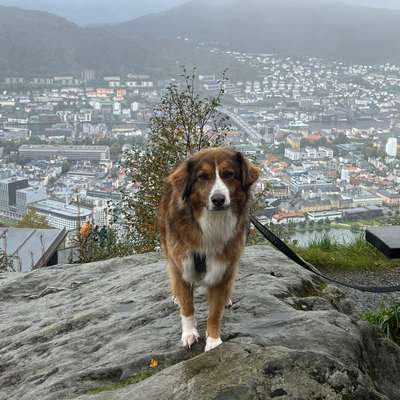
<point>70,152</point>
<point>288,217</point>
<point>324,215</point>
<point>8,195</point>
<point>27,196</point>
<point>324,133</point>
<point>390,197</point>
<point>61,215</point>
<point>391,147</point>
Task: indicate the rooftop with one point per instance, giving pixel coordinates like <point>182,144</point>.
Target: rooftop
<point>30,247</point>
<point>31,189</point>
<point>389,193</point>
<point>61,147</point>
<point>58,207</point>
<point>12,179</point>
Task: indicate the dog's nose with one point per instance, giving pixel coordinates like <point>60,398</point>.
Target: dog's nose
<point>218,200</point>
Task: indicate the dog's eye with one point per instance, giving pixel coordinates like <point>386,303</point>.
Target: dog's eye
<point>227,175</point>
<point>203,177</point>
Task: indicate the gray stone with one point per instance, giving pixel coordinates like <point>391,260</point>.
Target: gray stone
<point>67,329</point>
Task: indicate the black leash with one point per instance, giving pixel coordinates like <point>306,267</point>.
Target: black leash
<point>285,249</point>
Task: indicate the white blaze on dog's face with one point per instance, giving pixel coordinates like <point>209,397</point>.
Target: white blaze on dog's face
<point>219,198</point>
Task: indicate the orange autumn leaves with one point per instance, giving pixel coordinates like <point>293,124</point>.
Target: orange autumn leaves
<point>153,363</point>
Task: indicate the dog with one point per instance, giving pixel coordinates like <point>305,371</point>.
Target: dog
<point>203,222</point>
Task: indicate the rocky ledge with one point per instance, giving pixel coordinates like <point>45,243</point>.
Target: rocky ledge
<point>109,330</point>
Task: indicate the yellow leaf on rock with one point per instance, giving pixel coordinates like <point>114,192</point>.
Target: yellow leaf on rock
<point>153,363</point>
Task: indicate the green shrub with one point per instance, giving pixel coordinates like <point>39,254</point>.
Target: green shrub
<point>387,318</point>
<point>96,249</point>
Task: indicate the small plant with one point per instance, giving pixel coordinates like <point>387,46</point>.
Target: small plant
<point>34,220</point>
<point>6,262</point>
<point>103,245</point>
<point>326,242</point>
<point>387,318</point>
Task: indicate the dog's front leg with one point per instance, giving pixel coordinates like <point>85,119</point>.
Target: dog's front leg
<point>183,292</point>
<point>218,296</point>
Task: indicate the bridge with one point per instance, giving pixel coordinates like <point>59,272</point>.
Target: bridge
<point>242,124</point>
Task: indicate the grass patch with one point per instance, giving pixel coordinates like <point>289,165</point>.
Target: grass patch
<point>369,222</point>
<point>340,225</point>
<point>139,376</point>
<point>387,319</point>
<point>326,253</point>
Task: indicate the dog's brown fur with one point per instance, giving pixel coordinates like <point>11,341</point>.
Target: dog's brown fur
<point>181,210</point>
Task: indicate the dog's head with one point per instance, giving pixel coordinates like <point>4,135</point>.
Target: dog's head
<point>215,179</point>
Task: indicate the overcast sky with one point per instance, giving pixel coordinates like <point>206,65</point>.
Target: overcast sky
<point>103,11</point>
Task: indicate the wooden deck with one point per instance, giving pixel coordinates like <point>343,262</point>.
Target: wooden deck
<point>386,239</point>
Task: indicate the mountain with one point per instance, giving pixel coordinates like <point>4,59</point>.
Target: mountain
<point>85,12</point>
<point>294,27</point>
<point>35,43</point>
<point>40,43</point>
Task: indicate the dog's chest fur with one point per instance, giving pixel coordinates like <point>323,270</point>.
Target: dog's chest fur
<point>217,229</point>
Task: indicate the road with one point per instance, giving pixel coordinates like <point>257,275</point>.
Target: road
<point>242,124</point>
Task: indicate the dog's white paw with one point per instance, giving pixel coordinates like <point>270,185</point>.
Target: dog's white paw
<point>174,299</point>
<point>189,338</point>
<point>212,343</point>
<point>229,303</point>
<point>190,334</point>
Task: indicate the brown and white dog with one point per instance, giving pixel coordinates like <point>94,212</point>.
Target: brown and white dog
<point>203,219</point>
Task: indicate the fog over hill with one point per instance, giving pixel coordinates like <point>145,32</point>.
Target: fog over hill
<point>86,12</point>
<point>95,11</point>
<point>294,27</point>
<point>39,43</point>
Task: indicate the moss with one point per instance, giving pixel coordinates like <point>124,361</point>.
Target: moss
<point>322,285</point>
<point>139,376</point>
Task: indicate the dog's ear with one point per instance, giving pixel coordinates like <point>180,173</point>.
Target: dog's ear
<point>182,178</point>
<point>249,172</point>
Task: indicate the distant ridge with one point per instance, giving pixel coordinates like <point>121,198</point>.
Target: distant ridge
<point>90,12</point>
<point>35,43</point>
<point>39,43</point>
<point>296,27</point>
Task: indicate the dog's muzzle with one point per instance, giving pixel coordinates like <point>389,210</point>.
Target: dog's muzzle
<point>219,202</point>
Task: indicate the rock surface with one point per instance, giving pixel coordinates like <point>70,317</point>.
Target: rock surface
<point>365,301</point>
<point>67,329</point>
